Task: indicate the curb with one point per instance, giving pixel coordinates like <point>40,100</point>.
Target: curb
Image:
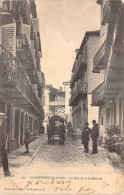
<point>30,159</point>
<point>85,158</point>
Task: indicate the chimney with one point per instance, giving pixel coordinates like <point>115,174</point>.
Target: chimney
<point>60,89</point>
<point>76,50</point>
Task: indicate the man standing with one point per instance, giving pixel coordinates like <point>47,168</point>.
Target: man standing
<point>50,130</point>
<point>26,140</point>
<point>62,132</point>
<point>94,136</point>
<point>3,153</point>
<point>85,137</point>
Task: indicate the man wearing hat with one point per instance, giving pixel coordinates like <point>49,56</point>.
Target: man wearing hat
<point>26,140</point>
<point>3,153</point>
<point>94,136</point>
<point>85,137</point>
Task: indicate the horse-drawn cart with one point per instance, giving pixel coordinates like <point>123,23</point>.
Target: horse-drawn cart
<point>56,130</point>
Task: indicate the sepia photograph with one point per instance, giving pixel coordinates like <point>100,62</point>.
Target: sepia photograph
<point>61,97</point>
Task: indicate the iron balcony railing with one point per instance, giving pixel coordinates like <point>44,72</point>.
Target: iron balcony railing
<point>81,89</point>
<point>81,61</point>
<point>98,94</point>
<point>12,72</point>
<point>21,41</point>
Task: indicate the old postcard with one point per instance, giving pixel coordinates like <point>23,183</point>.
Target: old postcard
<point>62,97</point>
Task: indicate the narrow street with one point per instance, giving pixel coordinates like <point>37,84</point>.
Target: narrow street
<point>55,157</point>
<point>59,169</point>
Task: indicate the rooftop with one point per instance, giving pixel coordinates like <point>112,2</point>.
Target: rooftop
<point>86,36</point>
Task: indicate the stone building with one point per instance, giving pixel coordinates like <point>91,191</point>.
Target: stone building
<point>109,63</point>
<point>83,81</point>
<point>21,79</point>
<point>54,103</point>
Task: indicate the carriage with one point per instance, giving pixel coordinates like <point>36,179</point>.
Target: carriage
<point>56,130</point>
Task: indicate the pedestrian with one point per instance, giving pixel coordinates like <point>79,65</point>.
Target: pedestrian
<point>85,137</point>
<point>62,133</point>
<point>94,136</point>
<point>49,130</point>
<point>3,153</point>
<point>27,140</point>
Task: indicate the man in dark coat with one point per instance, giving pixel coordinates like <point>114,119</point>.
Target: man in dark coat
<point>50,132</point>
<point>94,136</point>
<point>62,133</point>
<point>3,153</point>
<point>85,137</point>
<point>26,140</point>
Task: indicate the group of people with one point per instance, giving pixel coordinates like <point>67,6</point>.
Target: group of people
<point>57,128</point>
<point>93,133</point>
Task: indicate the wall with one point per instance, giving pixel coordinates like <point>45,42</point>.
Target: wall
<point>67,97</point>
<point>93,79</point>
<point>92,47</point>
<point>80,114</point>
<point>92,111</point>
<point>46,107</point>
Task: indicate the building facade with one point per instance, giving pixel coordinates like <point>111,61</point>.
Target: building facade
<point>83,81</point>
<point>109,63</point>
<point>54,103</point>
<point>21,79</point>
<point>67,90</point>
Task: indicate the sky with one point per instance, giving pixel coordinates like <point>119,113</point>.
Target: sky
<point>63,24</point>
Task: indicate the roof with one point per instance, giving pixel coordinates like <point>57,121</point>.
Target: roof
<point>51,87</point>
<point>67,82</point>
<point>86,36</point>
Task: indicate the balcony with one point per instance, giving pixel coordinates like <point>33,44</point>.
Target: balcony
<point>100,59</point>
<point>80,65</point>
<point>110,10</point>
<point>25,56</point>
<point>23,50</point>
<point>78,94</point>
<point>57,103</point>
<point>98,95</point>
<point>15,84</point>
<point>106,12</point>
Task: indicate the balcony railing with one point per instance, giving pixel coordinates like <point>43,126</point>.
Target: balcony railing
<point>21,41</point>
<point>81,62</point>
<point>98,59</point>
<point>13,74</point>
<point>98,94</point>
<point>81,89</point>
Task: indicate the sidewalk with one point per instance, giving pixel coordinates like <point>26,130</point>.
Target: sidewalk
<point>97,159</point>
<point>17,158</point>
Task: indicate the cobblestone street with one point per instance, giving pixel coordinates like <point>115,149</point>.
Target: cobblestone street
<point>63,158</point>
<point>55,157</point>
<point>45,165</point>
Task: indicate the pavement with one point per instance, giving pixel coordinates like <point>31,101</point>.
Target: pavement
<point>17,158</point>
<point>48,156</point>
<point>60,169</point>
